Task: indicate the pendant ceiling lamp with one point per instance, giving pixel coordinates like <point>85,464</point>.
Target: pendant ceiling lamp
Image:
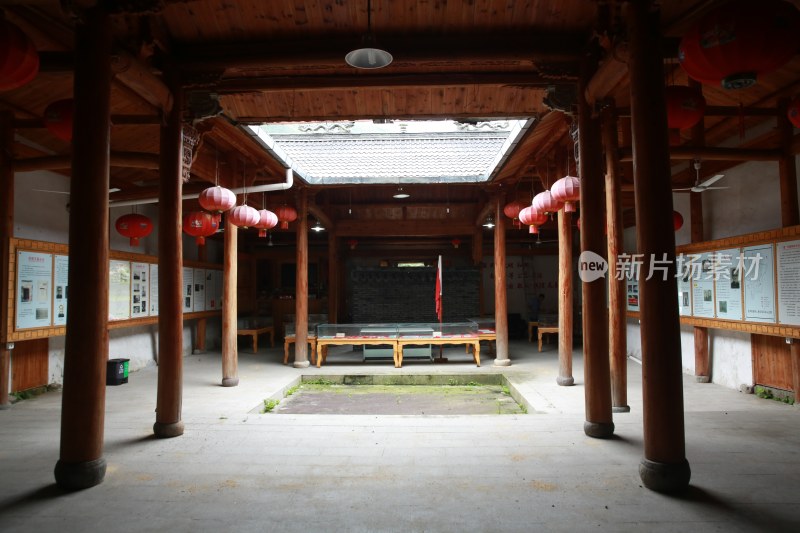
<point>369,56</point>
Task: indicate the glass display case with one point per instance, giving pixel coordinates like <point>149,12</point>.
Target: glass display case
<point>435,330</point>
<point>485,324</point>
<point>290,328</point>
<point>357,331</point>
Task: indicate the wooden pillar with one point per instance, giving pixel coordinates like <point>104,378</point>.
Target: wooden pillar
<point>597,380</point>
<point>702,359</point>
<point>301,286</point>
<point>790,214</point>
<point>81,463</point>
<point>333,276</point>
<point>794,351</point>
<point>6,233</point>
<point>230,305</point>
<point>664,467</point>
<point>200,332</point>
<point>500,306</point>
<point>617,306</point>
<point>565,322</point>
<point>170,274</point>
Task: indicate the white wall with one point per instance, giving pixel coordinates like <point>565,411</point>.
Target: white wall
<point>43,216</point>
<point>750,204</point>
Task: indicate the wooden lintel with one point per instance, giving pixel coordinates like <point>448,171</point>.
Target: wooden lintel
<point>723,111</point>
<point>708,153</point>
<point>481,218</point>
<point>116,120</point>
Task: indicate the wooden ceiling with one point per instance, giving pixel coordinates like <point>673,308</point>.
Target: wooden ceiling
<point>284,60</point>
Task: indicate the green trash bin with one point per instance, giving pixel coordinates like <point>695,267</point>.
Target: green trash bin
<point>117,371</point>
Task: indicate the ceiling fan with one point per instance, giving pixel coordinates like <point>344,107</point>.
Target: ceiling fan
<point>704,186</point>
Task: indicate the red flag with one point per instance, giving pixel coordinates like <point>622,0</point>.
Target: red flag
<point>439,289</point>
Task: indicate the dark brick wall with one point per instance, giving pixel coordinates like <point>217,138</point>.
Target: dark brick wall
<point>407,294</point>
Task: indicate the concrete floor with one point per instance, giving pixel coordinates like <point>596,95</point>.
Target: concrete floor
<point>239,471</point>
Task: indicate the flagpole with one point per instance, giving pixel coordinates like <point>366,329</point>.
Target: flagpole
<point>439,307</point>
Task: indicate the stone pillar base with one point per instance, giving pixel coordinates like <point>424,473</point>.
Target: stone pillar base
<point>665,477</point>
<point>301,364</point>
<point>502,362</point>
<point>79,476</point>
<point>230,382</point>
<point>621,409</point>
<point>565,381</point>
<point>4,406</point>
<point>167,430</point>
<point>197,351</point>
<point>702,379</point>
<point>599,430</point>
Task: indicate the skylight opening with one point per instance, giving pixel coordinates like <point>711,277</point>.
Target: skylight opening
<point>392,151</point>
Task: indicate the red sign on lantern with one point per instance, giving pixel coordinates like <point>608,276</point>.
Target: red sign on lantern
<point>200,225</point>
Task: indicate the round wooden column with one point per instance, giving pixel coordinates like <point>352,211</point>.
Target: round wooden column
<point>565,322</point>
<point>664,467</point>
<point>617,306</point>
<point>500,305</point>
<point>333,276</point>
<point>81,463</point>
<point>301,285</point>
<point>6,233</point>
<point>200,333</point>
<point>596,374</point>
<point>230,304</point>
<point>170,275</point>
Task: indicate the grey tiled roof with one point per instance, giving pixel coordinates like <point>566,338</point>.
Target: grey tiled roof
<point>394,157</point>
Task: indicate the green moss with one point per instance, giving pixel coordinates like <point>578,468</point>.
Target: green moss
<point>269,405</point>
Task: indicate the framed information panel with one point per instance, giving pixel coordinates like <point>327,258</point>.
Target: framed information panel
<point>759,283</point>
<point>34,308</point>
<point>789,282</point>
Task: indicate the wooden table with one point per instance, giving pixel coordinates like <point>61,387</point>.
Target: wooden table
<point>291,339</point>
<point>255,332</point>
<point>544,330</point>
<point>490,336</point>
<point>532,325</point>
<point>468,340</point>
<point>360,340</point>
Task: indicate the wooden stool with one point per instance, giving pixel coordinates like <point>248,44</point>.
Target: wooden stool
<point>291,339</point>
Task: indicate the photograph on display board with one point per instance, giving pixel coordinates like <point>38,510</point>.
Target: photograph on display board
<point>34,298</point>
<point>119,290</point>
<point>60,281</point>
<point>728,286</point>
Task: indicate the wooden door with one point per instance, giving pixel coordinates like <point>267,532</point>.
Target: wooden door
<point>772,362</point>
<point>29,362</point>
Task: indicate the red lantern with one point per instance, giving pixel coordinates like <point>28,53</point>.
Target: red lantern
<point>286,214</point>
<point>58,118</point>
<point>217,199</point>
<point>545,203</point>
<point>578,223</point>
<point>794,111</point>
<point>533,218</point>
<point>352,243</point>
<point>685,106</point>
<point>677,220</point>
<point>456,243</point>
<point>19,61</point>
<point>244,216</point>
<point>200,225</point>
<point>134,226</point>
<point>268,220</point>
<point>740,40</point>
<point>566,191</point>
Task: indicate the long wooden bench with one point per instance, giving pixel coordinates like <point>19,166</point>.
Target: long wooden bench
<point>291,339</point>
<point>254,329</point>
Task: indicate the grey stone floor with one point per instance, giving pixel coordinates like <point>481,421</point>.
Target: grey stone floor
<point>239,471</point>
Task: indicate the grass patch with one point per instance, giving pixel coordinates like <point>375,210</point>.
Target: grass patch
<point>770,394</point>
<point>269,405</point>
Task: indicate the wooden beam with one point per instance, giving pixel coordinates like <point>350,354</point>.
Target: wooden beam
<point>520,80</point>
<point>713,153</point>
<point>722,111</point>
<point>116,120</point>
<point>141,160</point>
<point>403,228</point>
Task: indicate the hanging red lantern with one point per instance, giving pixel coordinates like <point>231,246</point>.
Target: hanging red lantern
<point>200,225</point>
<point>134,226</point>
<point>456,243</point>
<point>267,220</point>
<point>352,243</point>
<point>19,61</point>
<point>244,216</point>
<point>533,218</point>
<point>217,199</point>
<point>545,204</point>
<point>794,111</point>
<point>685,106</point>
<point>566,191</point>
<point>677,220</point>
<point>738,41</point>
<point>286,214</point>
<point>58,118</point>
<point>512,209</point>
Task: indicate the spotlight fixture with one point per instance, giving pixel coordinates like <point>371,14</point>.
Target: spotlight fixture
<point>369,56</point>
<point>317,227</point>
<point>400,194</point>
<point>489,222</point>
